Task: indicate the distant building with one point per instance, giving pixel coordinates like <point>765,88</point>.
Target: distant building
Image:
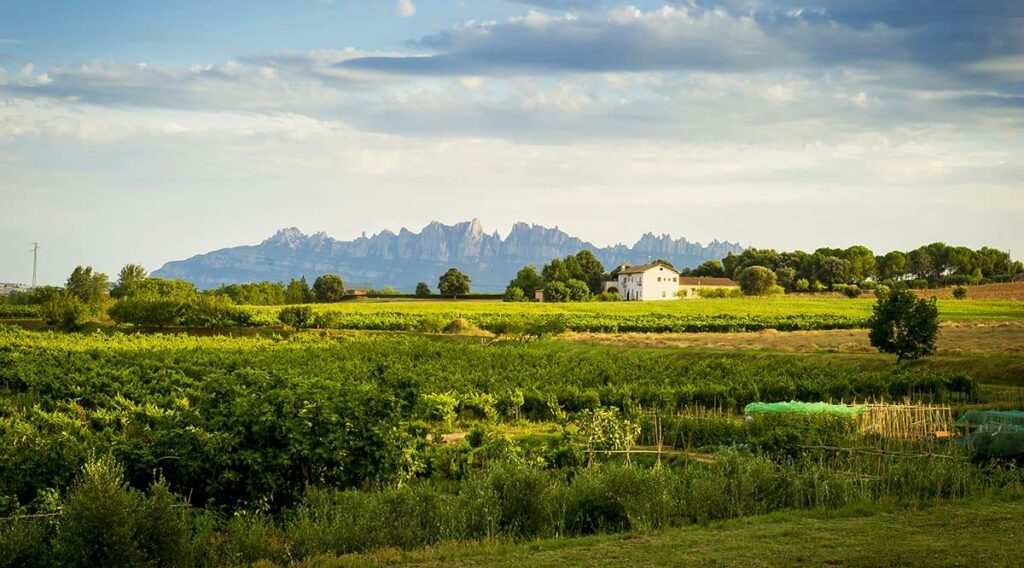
<point>689,285</point>
<point>357,292</point>
<point>539,295</point>
<point>645,282</point>
<point>8,288</point>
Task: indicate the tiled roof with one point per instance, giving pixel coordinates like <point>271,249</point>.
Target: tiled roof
<point>644,268</point>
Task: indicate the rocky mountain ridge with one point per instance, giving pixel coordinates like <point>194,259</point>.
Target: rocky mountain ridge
<point>402,259</point>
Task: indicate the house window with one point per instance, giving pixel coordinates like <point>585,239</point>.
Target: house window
<point>662,293</point>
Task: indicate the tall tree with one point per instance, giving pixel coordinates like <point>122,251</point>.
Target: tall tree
<point>453,282</point>
<point>87,286</point>
<point>127,278</point>
<point>423,290</point>
<point>591,270</point>
<point>710,268</point>
<point>297,292</point>
<point>528,280</point>
<point>328,288</point>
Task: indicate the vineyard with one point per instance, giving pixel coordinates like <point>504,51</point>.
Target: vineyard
<point>309,444</point>
<point>708,315</point>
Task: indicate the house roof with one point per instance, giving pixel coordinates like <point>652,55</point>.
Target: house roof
<point>644,268</point>
<point>706,281</point>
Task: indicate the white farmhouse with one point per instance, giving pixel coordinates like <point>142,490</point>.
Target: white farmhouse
<point>646,282</point>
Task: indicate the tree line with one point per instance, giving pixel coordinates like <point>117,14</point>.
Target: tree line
<point>936,264</point>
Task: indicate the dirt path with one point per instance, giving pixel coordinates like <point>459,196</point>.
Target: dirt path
<point>1006,338</point>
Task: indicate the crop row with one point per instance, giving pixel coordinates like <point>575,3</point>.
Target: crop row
<point>527,322</point>
<point>243,421</point>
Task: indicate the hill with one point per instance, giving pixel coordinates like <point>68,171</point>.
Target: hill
<point>402,259</point>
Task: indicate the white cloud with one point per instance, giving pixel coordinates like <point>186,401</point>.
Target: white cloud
<point>405,8</point>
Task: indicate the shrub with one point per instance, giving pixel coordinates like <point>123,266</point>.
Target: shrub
<point>577,290</point>
<point>432,323</point>
<point>514,294</point>
<point>802,285</point>
<point>66,311</point>
<point>556,292</point>
<point>919,284</point>
<point>960,292</point>
<point>756,280</point>
<point>816,286</point>
<point>607,297</point>
<point>298,317</point>
<point>852,291</point>
<point>438,407</point>
<point>720,292</point>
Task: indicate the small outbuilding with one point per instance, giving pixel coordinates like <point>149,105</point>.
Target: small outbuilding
<point>689,286</point>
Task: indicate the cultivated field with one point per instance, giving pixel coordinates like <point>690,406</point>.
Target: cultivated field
<point>362,444</point>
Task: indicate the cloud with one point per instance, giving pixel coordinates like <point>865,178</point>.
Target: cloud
<point>405,8</point>
<point>940,41</point>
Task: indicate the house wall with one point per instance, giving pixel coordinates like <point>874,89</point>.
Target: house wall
<point>657,283</point>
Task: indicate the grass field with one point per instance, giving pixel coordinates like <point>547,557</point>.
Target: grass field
<point>965,533</point>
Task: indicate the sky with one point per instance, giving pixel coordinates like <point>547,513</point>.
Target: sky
<point>145,132</point>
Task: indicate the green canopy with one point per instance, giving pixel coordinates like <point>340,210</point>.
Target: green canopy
<point>796,407</point>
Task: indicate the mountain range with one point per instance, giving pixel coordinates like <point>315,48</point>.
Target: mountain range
<point>402,259</point>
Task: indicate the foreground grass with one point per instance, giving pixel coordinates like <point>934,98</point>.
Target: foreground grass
<point>963,533</point>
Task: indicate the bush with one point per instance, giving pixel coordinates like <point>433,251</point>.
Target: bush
<point>66,311</point>
<point>432,323</point>
<point>960,292</point>
<point>919,284</point>
<point>514,294</point>
<point>802,285</point>
<point>852,291</point>
<point>756,280</point>
<point>556,292</point>
<point>607,297</point>
<point>298,317</point>
<point>719,292</point>
<point>106,523</point>
<point>577,290</point>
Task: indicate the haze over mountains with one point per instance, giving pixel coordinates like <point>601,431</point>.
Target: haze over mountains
<point>405,258</point>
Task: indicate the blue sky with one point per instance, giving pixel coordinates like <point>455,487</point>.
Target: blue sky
<point>150,131</point>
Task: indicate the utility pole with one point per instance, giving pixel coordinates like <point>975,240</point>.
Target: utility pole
<point>35,263</point>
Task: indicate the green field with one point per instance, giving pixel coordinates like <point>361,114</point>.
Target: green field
<point>364,446</point>
<point>964,533</point>
<point>707,315</point>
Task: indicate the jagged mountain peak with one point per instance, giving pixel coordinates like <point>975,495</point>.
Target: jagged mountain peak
<point>402,259</point>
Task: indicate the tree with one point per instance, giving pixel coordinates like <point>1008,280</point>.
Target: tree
<point>328,288</point>
<point>422,290</point>
<point>577,290</point>
<point>556,291</point>
<point>453,282</point>
<point>710,268</point>
<point>555,271</point>
<point>893,266</point>
<point>756,280</point>
<point>528,280</point>
<point>89,287</point>
<point>786,277</point>
<point>591,270</point>
<point>903,324</point>
<point>65,310</point>
<point>297,292</point>
<point>129,276</point>
<point>862,262</point>
<point>833,270</point>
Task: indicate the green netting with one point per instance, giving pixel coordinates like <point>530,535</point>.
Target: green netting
<point>796,407</point>
<point>994,433</point>
<point>979,417</point>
